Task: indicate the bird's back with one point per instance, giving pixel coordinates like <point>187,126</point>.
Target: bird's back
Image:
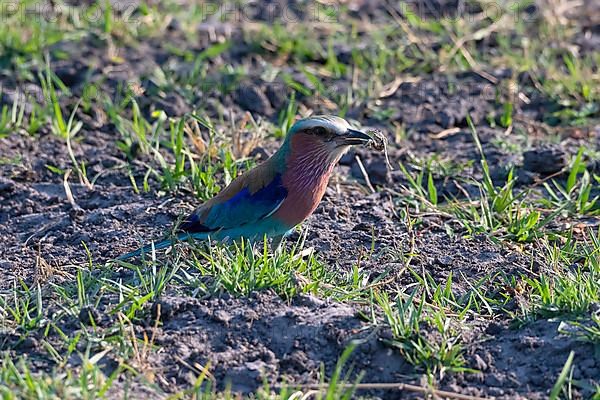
<point>242,205</point>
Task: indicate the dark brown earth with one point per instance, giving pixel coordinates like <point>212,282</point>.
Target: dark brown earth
<point>264,336</point>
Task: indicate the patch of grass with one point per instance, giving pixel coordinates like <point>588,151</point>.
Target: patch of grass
<point>436,351</point>
<point>575,195</point>
<point>241,269</point>
<point>22,308</point>
<point>569,286</point>
<point>586,331</point>
<point>17,381</point>
<point>186,152</point>
<point>125,303</point>
<point>89,381</point>
<point>500,211</point>
<point>14,118</point>
<point>422,186</point>
<point>299,44</point>
<point>23,40</point>
<point>117,337</point>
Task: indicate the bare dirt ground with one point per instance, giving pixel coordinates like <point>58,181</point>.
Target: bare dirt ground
<point>247,339</point>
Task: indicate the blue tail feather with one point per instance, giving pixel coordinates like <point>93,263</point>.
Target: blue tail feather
<point>163,244</point>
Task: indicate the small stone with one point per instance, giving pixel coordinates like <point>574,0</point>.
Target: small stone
<point>250,315</point>
<point>445,119</point>
<point>537,379</point>
<point>162,310</point>
<point>257,365</point>
<point>377,172</point>
<point>478,377</point>
<point>174,25</point>
<point>28,343</point>
<point>71,74</point>
<point>480,364</point>
<point>362,226</point>
<point>297,360</point>
<point>308,300</point>
<point>587,363</point>
<point>6,185</point>
<point>222,316</point>
<point>492,380</point>
<point>545,160</point>
<point>173,105</point>
<point>277,93</point>
<point>444,261</point>
<point>88,315</point>
<point>530,342</point>
<point>525,177</point>
<point>495,391</point>
<point>348,158</point>
<point>493,328</point>
<point>250,98</point>
<point>386,335</point>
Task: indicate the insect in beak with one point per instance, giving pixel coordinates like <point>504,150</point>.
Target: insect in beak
<point>353,137</point>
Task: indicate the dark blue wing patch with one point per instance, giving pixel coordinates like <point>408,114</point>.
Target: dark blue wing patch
<point>243,208</point>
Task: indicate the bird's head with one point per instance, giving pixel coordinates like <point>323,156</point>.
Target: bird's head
<point>325,136</point>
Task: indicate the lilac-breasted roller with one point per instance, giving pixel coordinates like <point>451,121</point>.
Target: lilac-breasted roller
<point>274,197</point>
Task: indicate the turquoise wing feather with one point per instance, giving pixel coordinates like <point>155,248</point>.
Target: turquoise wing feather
<point>242,209</point>
<point>245,213</point>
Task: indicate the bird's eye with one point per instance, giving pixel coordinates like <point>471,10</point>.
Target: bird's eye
<point>319,131</point>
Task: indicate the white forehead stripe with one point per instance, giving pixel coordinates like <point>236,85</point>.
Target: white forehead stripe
<point>333,123</point>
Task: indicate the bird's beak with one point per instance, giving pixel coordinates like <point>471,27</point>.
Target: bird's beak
<point>353,137</point>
